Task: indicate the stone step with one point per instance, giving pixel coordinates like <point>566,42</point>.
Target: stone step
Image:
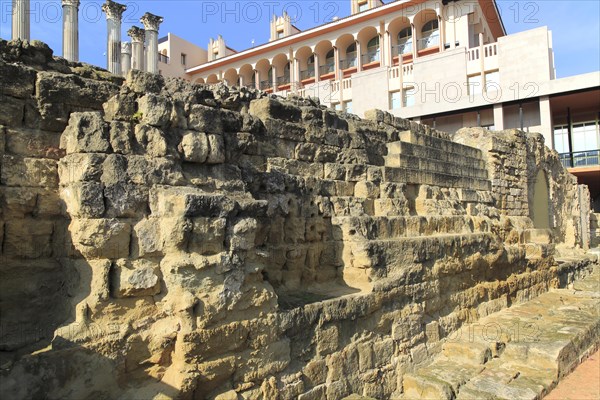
<point>416,150</point>
<point>540,236</point>
<point>532,346</point>
<point>439,143</point>
<point>388,227</point>
<point>429,165</point>
<point>416,176</point>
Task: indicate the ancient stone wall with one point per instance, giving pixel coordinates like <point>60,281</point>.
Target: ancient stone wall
<point>212,242</point>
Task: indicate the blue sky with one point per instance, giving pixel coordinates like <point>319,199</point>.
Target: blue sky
<point>574,23</point>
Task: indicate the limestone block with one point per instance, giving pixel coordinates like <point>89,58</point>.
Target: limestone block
<point>334,171</point>
<point>121,137</point>
<point>17,80</point>
<point>86,133</point>
<point>366,189</point>
<point>152,171</point>
<point>315,372</point>
<point>17,201</point>
<point>267,107</point>
<point>365,356</point>
<point>327,340</point>
<point>11,111</point>
<point>175,233</point>
<point>28,238</point>
<point>194,146</point>
<point>151,139</point>
<point>316,393</point>
<point>229,395</point>
<point>126,201</point>
<point>155,110</point>
<point>305,151</point>
<point>147,237</point>
<point>216,149</point>
<point>83,199</point>
<point>33,143</point>
<point>101,238</point>
<point>24,171</point>
<point>243,235</point>
<point>143,82</point>
<point>208,235</point>
<point>205,119</point>
<point>121,107</point>
<point>135,278</point>
<point>271,359</point>
<point>80,167</point>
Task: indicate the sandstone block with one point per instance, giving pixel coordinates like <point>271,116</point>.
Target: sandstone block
<point>86,133</point>
<point>155,110</point>
<point>80,167</point>
<point>194,146</point>
<point>366,189</point>
<point>208,235</point>
<point>315,372</point>
<point>83,199</point>
<point>243,234</point>
<point>17,80</point>
<point>125,201</point>
<point>151,140</point>
<point>147,236</point>
<point>205,119</point>
<point>135,278</point>
<point>101,238</point>
<point>24,171</point>
<point>11,111</point>
<point>33,143</point>
<point>267,107</point>
<point>216,149</point>
<point>28,238</point>
<point>327,340</point>
<point>143,82</point>
<point>121,137</point>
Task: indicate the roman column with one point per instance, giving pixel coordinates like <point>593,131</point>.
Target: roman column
<point>114,12</point>
<point>20,19</point>
<point>151,23</point>
<point>71,29</point>
<point>125,57</point>
<point>138,36</point>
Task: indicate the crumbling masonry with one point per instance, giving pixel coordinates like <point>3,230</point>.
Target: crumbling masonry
<point>210,242</point>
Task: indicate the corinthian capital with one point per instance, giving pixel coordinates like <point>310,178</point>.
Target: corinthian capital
<point>125,48</point>
<point>74,3</point>
<point>151,21</point>
<point>113,10</point>
<point>136,34</point>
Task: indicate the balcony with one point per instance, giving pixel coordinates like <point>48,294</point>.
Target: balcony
<point>307,73</point>
<point>265,85</point>
<point>350,62</point>
<point>588,158</point>
<point>163,59</point>
<point>428,42</point>
<point>402,49</point>
<point>370,57</point>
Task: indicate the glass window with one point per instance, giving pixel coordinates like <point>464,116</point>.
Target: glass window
<point>395,99</point>
<point>408,96</point>
<point>336,106</point>
<point>474,85</point>
<point>492,81</point>
<point>430,36</point>
<point>561,139</point>
<point>373,50</point>
<point>348,107</point>
<point>183,59</point>
<point>405,41</point>
<point>585,136</point>
<point>363,7</point>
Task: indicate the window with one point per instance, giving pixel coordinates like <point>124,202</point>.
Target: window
<point>183,59</point>
<point>395,100</point>
<point>430,35</point>
<point>329,62</point>
<point>492,81</point>
<point>279,34</point>
<point>350,60</point>
<point>364,6</point>
<point>474,85</point>
<point>336,106</point>
<point>405,41</point>
<point>561,139</point>
<point>408,96</point>
<point>348,107</point>
<point>373,50</point>
<point>585,136</point>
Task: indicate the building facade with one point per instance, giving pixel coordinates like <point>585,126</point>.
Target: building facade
<point>448,64</point>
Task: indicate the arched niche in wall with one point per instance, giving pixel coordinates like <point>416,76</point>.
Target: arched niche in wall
<point>539,201</point>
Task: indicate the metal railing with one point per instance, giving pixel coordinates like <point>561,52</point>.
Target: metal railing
<point>350,62</point>
<point>264,85</point>
<point>307,73</point>
<point>580,158</point>
<point>327,68</point>
<point>405,48</point>
<point>163,59</point>
<point>370,57</point>
<point>283,80</point>
<point>427,42</point>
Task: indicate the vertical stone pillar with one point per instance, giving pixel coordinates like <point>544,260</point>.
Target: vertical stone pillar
<point>274,78</point>
<point>125,57</point>
<point>114,12</point>
<point>336,63</point>
<point>20,19</point>
<point>415,50</point>
<point>498,117</point>
<point>70,29</point>
<point>317,69</point>
<point>151,23</point>
<point>256,79</point>
<point>138,36</point>
<point>546,121</point>
<point>359,56</point>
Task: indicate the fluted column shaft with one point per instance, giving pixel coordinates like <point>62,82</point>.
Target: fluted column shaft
<point>71,29</point>
<point>151,23</point>
<point>20,19</point>
<point>137,36</point>
<point>125,57</point>
<point>114,13</point>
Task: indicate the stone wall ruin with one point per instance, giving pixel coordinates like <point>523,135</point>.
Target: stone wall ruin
<point>204,242</point>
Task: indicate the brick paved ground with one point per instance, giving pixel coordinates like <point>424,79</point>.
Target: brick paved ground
<point>581,384</point>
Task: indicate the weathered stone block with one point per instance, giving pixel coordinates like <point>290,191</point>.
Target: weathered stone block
<point>86,133</point>
<point>121,137</point>
<point>11,111</point>
<point>216,149</point>
<point>205,119</point>
<point>28,238</point>
<point>83,199</point>
<point>151,140</point>
<point>101,238</point>
<point>33,143</point>
<point>194,146</point>
<point>155,110</point>
<point>271,108</point>
<point>23,171</point>
<point>17,80</point>
<point>80,167</point>
<point>135,278</point>
<point>126,201</point>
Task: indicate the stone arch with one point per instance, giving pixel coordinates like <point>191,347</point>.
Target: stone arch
<point>212,78</point>
<point>539,201</point>
<point>231,77</point>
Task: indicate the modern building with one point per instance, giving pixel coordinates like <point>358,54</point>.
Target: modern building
<point>448,64</point>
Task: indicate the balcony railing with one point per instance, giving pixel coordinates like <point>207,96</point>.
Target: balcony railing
<point>580,159</point>
<point>405,48</point>
<point>163,59</point>
<point>350,62</point>
<point>308,73</point>
<point>370,57</point>
<point>427,42</point>
<point>327,68</point>
<point>264,85</point>
<point>283,80</point>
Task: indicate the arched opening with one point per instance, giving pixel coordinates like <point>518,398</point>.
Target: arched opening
<point>247,78</point>
<point>405,41</point>
<point>212,78</point>
<point>324,50</point>
<point>282,69</point>
<point>199,81</point>
<point>373,50</point>
<point>306,63</point>
<point>401,36</point>
<point>369,47</point>
<point>346,45</point>
<point>231,77</point>
<point>539,202</point>
<point>265,74</point>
